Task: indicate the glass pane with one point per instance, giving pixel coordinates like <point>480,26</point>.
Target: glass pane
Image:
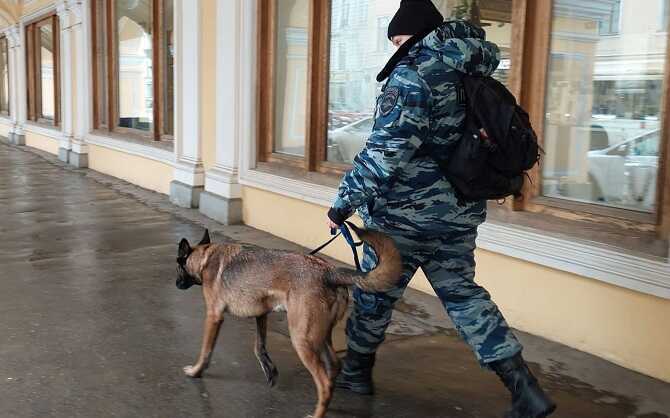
<point>291,76</point>
<point>47,72</point>
<point>168,83</point>
<point>134,34</point>
<point>603,105</point>
<point>4,75</point>
<point>102,66</point>
<point>359,49</point>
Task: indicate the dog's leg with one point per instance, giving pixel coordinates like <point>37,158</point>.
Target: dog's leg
<point>329,358</point>
<point>262,355</point>
<point>309,333</point>
<point>212,326</point>
<point>311,358</point>
<point>335,363</point>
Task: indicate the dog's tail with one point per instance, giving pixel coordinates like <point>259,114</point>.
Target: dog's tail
<point>389,264</point>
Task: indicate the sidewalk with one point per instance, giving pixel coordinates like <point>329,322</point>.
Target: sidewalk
<point>92,325</point>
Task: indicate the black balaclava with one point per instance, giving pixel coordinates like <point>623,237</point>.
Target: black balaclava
<point>414,17</point>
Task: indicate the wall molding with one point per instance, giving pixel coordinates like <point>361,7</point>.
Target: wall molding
<point>38,13</point>
<point>53,133</point>
<point>132,148</point>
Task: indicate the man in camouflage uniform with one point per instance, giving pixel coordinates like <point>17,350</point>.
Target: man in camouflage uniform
<point>398,191</point>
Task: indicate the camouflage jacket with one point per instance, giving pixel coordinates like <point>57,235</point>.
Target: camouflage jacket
<point>422,102</point>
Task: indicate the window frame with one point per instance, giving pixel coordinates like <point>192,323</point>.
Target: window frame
<point>5,41</point>
<point>109,59</point>
<point>534,76</point>
<point>34,73</point>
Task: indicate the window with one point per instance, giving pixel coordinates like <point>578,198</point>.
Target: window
<point>4,76</point>
<point>318,88</point>
<point>43,60</point>
<point>603,109</point>
<point>383,44</point>
<point>610,21</point>
<point>133,67</point>
<point>350,115</point>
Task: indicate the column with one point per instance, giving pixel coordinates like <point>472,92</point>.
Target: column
<point>79,23</point>
<point>189,176</point>
<point>65,143</point>
<point>17,85</point>
<point>221,199</point>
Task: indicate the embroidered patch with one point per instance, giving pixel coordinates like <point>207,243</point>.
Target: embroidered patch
<point>389,100</point>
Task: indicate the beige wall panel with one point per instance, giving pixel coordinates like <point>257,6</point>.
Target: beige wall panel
<point>150,174</point>
<point>620,325</point>
<point>41,142</point>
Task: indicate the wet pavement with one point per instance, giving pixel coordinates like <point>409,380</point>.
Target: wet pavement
<point>91,324</point>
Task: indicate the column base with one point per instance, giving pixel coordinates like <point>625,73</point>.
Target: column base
<point>64,154</point>
<point>78,160</point>
<point>221,209</point>
<point>17,139</point>
<point>185,196</point>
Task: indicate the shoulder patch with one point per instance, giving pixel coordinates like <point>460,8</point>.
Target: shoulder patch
<point>389,100</point>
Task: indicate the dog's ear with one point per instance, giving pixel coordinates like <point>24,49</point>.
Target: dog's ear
<point>184,249</point>
<point>205,239</point>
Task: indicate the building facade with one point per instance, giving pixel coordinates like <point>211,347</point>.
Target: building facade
<point>251,110</point>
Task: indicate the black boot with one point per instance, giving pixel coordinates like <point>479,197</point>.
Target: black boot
<point>528,399</point>
<point>356,374</point>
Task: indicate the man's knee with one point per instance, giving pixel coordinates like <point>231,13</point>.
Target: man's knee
<point>462,292</point>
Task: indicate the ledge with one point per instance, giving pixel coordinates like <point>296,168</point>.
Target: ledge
<point>49,132</point>
<point>160,152</point>
<point>646,273</point>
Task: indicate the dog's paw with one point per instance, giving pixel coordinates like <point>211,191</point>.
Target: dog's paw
<point>272,377</point>
<point>192,371</point>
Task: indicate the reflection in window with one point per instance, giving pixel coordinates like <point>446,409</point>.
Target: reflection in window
<point>603,104</point>
<point>364,43</point>
<point>168,29</point>
<point>133,25</point>
<point>47,67</point>
<point>101,52</point>
<point>291,77</point>
<point>4,75</point>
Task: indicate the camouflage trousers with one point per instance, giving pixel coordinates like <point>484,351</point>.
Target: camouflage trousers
<point>449,265</point>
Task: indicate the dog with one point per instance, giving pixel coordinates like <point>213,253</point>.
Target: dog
<point>248,281</point>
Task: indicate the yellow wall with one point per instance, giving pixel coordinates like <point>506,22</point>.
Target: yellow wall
<point>143,172</point>
<point>42,142</point>
<point>608,321</point>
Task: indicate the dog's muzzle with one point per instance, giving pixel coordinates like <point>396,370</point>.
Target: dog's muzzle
<point>184,280</point>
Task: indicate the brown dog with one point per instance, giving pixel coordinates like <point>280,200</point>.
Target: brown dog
<point>248,281</point>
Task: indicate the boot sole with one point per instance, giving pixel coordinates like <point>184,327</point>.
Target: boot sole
<point>543,414</point>
<point>356,388</point>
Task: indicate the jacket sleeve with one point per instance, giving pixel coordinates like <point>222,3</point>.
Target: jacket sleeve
<point>401,126</point>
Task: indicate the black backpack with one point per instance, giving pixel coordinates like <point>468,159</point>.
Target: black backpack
<point>490,168</point>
